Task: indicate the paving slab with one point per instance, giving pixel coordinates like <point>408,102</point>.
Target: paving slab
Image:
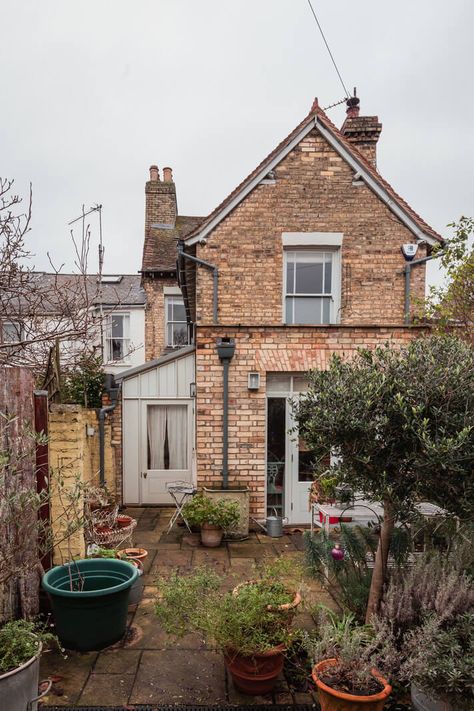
<point>175,677</point>
<point>117,661</point>
<point>171,558</point>
<point>246,549</point>
<point>71,672</point>
<point>147,633</point>
<point>111,689</point>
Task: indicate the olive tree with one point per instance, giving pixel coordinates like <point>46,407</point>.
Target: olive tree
<point>401,422</point>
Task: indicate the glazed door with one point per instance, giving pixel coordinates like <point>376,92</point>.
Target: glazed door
<point>300,476</point>
<point>166,452</point>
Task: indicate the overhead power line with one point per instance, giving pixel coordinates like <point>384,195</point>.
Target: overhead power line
<point>328,49</point>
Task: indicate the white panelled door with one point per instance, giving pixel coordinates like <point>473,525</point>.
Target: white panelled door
<point>300,476</point>
<point>166,447</point>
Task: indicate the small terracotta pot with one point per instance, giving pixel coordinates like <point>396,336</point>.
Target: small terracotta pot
<point>333,700</point>
<point>124,521</point>
<point>286,607</point>
<point>137,553</point>
<point>257,674</point>
<point>102,528</point>
<point>211,536</point>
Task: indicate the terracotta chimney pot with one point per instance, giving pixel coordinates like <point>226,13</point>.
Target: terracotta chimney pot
<point>167,175</point>
<point>154,173</point>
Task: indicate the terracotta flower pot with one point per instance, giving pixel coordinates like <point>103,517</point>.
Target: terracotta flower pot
<point>211,536</point>
<point>286,607</point>
<point>137,553</point>
<point>257,674</point>
<point>123,521</point>
<point>333,700</point>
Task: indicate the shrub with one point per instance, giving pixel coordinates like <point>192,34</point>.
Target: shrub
<point>20,641</point>
<point>217,512</point>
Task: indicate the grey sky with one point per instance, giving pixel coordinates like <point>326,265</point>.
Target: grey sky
<point>93,92</point>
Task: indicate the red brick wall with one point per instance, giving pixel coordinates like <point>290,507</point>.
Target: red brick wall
<point>155,338</point>
<point>313,193</point>
<point>265,350</point>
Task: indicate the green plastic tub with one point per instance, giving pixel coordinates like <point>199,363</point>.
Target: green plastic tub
<point>95,616</point>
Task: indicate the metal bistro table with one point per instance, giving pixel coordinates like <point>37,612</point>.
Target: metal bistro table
<point>180,492</point>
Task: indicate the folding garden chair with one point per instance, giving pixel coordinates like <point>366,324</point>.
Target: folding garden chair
<point>180,492</point>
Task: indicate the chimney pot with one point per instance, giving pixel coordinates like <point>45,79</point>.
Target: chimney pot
<point>167,175</point>
<point>154,173</point>
<point>353,107</point>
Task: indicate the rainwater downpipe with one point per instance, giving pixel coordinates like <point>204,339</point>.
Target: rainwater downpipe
<point>407,272</point>
<point>102,413</point>
<point>225,351</point>
<point>215,276</point>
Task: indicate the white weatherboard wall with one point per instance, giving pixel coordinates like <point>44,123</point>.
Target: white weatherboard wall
<point>169,382</point>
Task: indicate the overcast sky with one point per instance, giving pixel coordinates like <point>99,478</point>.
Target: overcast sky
<point>93,92</point>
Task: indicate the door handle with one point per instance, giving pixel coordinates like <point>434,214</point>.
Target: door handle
<point>144,475</point>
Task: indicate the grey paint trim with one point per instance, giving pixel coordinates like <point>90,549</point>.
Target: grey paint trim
<point>253,184</point>
<point>358,168</point>
<point>374,185</point>
<point>179,353</point>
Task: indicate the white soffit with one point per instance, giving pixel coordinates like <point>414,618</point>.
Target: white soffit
<point>312,239</point>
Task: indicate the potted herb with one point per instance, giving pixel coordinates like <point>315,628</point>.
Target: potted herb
<point>213,516</point>
<point>245,624</point>
<point>427,624</point>
<point>21,644</point>
<point>344,671</point>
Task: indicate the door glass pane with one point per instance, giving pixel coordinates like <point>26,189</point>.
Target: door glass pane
<point>167,437</point>
<point>305,462</point>
<point>276,437</point>
<point>278,383</point>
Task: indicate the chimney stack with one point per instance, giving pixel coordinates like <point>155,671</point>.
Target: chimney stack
<point>160,200</point>
<point>362,131</point>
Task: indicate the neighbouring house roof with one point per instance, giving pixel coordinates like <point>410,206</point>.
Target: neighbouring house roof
<point>318,119</point>
<point>57,289</point>
<point>156,362</point>
<point>159,248</point>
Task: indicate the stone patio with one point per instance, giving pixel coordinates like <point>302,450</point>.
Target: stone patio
<point>150,667</point>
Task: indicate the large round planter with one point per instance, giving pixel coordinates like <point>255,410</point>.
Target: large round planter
<point>333,700</point>
<point>211,536</point>
<point>95,616</point>
<point>257,674</point>
<point>422,701</point>
<point>19,686</point>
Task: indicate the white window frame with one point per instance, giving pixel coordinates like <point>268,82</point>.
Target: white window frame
<point>168,299</point>
<point>334,297</point>
<point>125,338</point>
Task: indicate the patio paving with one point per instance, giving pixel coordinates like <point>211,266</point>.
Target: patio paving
<point>149,666</point>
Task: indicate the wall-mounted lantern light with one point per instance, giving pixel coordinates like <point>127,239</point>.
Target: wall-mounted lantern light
<point>253,381</point>
<point>192,389</point>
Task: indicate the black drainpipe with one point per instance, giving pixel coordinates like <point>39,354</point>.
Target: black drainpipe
<point>225,351</point>
<point>113,392</point>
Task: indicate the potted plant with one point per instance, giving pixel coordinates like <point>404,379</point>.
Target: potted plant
<point>427,624</point>
<point>248,624</point>
<point>344,670</point>
<point>89,599</point>
<point>21,644</point>
<point>213,516</point>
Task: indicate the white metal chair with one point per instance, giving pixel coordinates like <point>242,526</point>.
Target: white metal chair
<point>180,492</point>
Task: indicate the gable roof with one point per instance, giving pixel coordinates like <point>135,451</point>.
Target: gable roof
<point>317,118</point>
<point>159,248</point>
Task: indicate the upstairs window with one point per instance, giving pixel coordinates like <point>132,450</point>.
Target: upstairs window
<point>311,286</point>
<point>12,332</point>
<point>177,331</point>
<point>117,346</point>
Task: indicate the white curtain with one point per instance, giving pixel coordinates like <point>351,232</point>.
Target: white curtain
<point>156,436</point>
<point>177,436</point>
<point>167,422</point>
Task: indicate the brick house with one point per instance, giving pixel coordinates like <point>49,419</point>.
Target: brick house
<point>301,260</point>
